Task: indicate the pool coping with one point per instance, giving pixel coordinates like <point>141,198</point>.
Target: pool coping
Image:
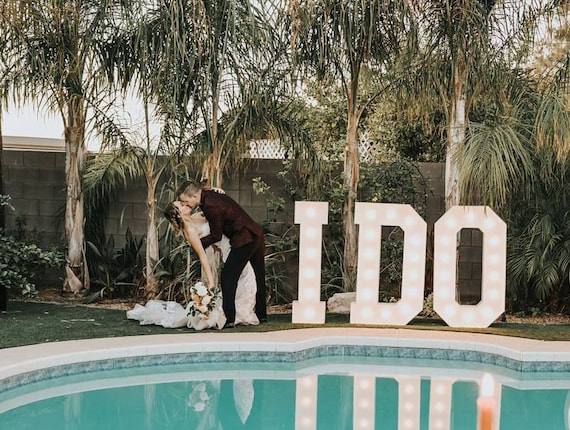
<point>510,352</point>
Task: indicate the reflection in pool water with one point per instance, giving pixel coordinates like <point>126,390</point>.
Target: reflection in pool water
<point>317,394</point>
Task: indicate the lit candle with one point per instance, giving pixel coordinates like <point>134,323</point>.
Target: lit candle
<point>486,403</point>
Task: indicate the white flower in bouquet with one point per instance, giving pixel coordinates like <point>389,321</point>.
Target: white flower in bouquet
<point>201,289</point>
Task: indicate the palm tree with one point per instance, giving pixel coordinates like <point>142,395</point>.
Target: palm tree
<point>335,41</point>
<point>240,69</point>
<point>115,168</point>
<point>136,62</point>
<point>471,49</point>
<point>552,125</point>
<point>52,58</point>
<point>539,261</point>
<point>180,58</point>
<point>215,74</point>
<point>516,159</point>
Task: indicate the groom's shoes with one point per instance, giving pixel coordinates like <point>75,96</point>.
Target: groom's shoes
<point>230,324</point>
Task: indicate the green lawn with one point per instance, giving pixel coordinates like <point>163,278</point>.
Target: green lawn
<point>28,323</point>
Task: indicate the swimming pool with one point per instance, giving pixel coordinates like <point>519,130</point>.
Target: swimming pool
<point>307,379</point>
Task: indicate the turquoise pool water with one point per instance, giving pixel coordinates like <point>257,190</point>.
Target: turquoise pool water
<point>324,393</point>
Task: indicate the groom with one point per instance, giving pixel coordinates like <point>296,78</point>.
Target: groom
<point>225,216</point>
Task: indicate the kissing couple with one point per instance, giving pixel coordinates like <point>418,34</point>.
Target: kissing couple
<point>224,225</point>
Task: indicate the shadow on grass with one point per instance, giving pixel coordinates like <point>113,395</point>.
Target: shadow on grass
<point>28,323</point>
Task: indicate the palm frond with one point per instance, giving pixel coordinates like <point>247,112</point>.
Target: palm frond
<point>548,278</point>
<point>492,163</point>
<point>106,174</point>
<point>552,124</point>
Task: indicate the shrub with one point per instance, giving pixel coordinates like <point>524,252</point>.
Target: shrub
<point>281,249</point>
<point>538,253</point>
<point>20,261</point>
<point>115,272</point>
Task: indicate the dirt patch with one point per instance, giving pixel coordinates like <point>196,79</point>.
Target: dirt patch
<point>52,295</point>
<point>539,319</point>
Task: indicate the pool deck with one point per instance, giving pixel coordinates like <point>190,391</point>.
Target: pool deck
<point>20,360</point>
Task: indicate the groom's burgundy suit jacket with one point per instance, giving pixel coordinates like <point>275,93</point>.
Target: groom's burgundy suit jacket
<point>226,216</point>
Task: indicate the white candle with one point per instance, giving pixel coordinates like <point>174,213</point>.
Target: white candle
<point>486,403</point>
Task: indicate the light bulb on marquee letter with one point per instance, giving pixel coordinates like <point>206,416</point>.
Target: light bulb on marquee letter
<point>493,280</point>
<point>371,217</point>
<point>309,308</point>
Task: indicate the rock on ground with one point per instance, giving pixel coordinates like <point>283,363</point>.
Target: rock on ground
<point>339,303</point>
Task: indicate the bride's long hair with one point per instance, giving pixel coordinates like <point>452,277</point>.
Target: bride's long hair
<point>174,217</point>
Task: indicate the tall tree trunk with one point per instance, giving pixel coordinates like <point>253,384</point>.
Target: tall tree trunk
<point>152,232</point>
<point>3,289</point>
<point>455,138</point>
<point>351,178</point>
<point>212,169</point>
<point>152,247</point>
<point>77,274</point>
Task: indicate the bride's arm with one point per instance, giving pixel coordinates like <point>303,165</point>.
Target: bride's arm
<point>191,236</point>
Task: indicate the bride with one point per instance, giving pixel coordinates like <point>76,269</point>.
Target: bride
<point>172,314</point>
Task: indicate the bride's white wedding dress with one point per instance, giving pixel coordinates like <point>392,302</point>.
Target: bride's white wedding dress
<point>173,315</point>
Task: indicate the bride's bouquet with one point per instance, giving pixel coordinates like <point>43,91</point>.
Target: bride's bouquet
<point>203,300</point>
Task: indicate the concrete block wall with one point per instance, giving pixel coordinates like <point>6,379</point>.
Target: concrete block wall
<point>240,186</point>
<point>36,182</point>
<point>128,211</point>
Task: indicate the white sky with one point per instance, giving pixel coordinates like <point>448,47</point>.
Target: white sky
<point>29,122</point>
<point>26,122</point>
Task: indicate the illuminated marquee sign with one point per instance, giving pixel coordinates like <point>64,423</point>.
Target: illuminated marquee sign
<point>371,217</point>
